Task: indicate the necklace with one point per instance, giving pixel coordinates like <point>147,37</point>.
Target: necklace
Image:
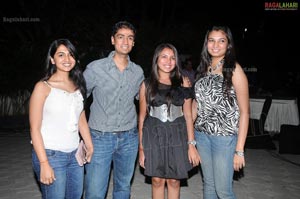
<point>211,68</point>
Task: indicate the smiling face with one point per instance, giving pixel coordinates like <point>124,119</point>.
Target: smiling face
<point>123,41</point>
<point>63,60</point>
<point>217,43</point>
<point>166,61</point>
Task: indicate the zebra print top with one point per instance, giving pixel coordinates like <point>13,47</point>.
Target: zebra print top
<point>216,115</point>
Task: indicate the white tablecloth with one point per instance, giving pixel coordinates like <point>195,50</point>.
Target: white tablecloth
<point>282,111</point>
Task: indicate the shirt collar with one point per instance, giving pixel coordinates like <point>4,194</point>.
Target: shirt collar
<point>112,63</point>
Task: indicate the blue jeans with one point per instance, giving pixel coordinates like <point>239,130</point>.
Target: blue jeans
<point>217,154</point>
<point>69,175</point>
<point>119,148</point>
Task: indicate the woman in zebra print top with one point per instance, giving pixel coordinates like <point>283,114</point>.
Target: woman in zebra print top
<point>221,111</point>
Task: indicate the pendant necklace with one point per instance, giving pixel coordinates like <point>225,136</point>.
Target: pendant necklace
<point>212,69</point>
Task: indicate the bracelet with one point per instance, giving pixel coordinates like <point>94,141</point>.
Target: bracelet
<point>239,153</point>
<point>192,142</point>
<point>41,162</point>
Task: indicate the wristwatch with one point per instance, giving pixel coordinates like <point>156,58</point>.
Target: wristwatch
<point>192,142</point>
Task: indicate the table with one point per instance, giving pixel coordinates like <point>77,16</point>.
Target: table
<point>282,111</point>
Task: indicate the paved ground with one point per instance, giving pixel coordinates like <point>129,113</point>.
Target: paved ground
<point>267,174</point>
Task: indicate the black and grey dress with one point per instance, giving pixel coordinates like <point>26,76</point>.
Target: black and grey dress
<point>165,135</point>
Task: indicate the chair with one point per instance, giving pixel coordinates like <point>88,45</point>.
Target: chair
<point>257,137</point>
<point>256,126</point>
<point>289,138</point>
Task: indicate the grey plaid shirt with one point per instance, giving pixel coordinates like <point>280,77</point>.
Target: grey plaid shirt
<point>113,92</point>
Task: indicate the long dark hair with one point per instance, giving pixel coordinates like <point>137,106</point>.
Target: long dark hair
<point>153,81</point>
<point>75,74</point>
<point>229,59</point>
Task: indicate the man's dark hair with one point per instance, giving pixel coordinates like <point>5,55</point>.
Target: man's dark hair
<point>122,24</point>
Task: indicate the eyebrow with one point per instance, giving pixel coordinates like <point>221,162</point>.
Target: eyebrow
<point>66,52</point>
<point>120,34</point>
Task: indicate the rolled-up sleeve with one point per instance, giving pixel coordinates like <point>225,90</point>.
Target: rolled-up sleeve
<point>89,76</point>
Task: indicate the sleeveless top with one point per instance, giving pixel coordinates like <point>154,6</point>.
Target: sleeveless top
<point>61,114</point>
<point>216,115</point>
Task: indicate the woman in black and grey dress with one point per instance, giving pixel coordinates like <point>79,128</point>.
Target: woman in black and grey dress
<point>167,146</point>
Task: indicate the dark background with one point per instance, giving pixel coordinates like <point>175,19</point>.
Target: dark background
<point>268,50</point>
